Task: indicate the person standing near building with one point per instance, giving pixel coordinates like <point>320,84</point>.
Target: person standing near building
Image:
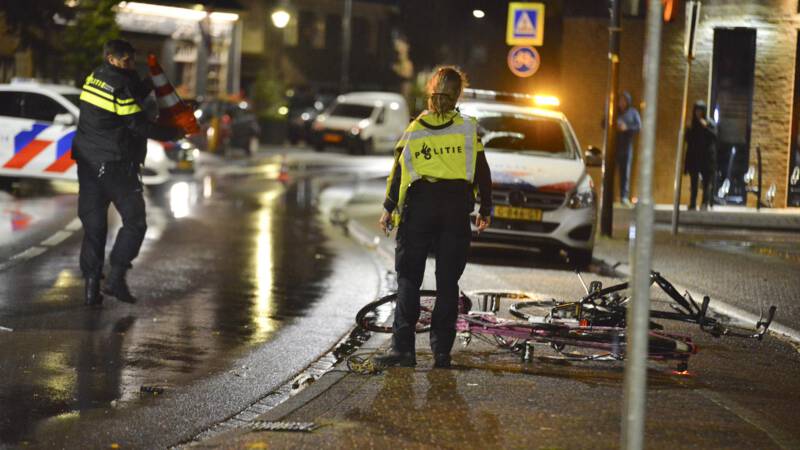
<point>628,124</point>
<point>109,147</point>
<point>701,154</point>
<point>430,194</point>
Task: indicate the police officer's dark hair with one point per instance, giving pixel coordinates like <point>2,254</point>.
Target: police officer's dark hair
<point>445,78</point>
<point>118,48</point>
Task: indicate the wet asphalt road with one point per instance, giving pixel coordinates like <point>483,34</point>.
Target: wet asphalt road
<point>737,394</point>
<point>241,285</point>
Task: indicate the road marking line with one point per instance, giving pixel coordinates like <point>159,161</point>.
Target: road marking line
<point>28,254</point>
<point>74,225</point>
<point>56,238</point>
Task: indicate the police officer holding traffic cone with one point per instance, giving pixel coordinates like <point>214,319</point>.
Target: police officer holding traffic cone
<point>430,194</point>
<point>109,147</point>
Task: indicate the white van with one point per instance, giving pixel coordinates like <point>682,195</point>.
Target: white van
<point>362,122</point>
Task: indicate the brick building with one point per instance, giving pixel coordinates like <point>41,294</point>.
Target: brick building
<point>745,70</point>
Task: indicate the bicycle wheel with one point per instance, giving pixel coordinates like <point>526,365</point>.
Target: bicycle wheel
<point>612,340</point>
<point>378,316</point>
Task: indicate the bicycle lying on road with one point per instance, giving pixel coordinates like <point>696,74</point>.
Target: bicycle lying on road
<point>591,328</point>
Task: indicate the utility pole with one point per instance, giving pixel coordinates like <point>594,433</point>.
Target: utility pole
<point>610,138</point>
<point>344,81</point>
<point>692,17</point>
<point>637,338</point>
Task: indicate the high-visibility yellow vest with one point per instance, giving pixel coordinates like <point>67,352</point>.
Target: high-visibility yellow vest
<point>436,147</point>
<point>99,93</point>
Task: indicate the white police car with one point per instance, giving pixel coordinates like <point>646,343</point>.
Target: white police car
<point>37,125</point>
<point>543,197</point>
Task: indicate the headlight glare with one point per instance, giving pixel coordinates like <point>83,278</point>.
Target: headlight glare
<point>581,199</point>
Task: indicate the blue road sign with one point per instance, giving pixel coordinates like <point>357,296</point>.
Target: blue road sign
<point>525,24</point>
<point>523,61</point>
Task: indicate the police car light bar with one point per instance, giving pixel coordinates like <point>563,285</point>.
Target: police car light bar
<point>512,97</point>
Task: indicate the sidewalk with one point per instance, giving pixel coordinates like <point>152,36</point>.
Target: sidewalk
<point>778,219</point>
<point>490,399</point>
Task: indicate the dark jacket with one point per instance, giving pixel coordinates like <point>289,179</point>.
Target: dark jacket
<point>633,122</point>
<point>700,143</point>
<point>112,125</point>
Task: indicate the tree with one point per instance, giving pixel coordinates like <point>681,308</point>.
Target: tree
<point>33,21</point>
<point>94,24</point>
<point>66,37</point>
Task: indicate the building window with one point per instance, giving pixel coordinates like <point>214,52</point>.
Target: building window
<point>732,77</point>
<point>291,32</point>
<point>793,191</point>
<point>7,69</point>
<point>312,30</point>
<point>333,30</point>
<point>366,34</point>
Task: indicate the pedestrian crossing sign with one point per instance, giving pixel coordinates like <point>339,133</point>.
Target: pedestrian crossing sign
<point>525,24</point>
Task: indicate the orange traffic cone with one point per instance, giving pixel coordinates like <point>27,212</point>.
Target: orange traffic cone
<point>172,110</point>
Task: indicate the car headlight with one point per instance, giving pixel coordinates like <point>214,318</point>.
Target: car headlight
<point>355,131</point>
<point>581,199</point>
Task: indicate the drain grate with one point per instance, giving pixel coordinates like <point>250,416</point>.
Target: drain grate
<point>283,426</point>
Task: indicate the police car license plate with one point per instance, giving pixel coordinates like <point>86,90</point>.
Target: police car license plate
<point>517,213</point>
<point>331,137</point>
<point>185,165</point>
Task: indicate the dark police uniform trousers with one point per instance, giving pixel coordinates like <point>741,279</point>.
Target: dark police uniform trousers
<point>435,217</point>
<point>101,184</point>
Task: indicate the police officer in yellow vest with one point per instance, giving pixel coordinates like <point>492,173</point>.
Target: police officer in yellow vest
<point>110,146</point>
<point>430,195</point>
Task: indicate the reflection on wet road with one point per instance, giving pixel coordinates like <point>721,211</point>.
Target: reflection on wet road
<point>227,261</point>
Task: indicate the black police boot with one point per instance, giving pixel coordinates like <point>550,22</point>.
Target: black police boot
<point>92,292</point>
<point>395,358</point>
<point>441,361</point>
<point>116,286</point>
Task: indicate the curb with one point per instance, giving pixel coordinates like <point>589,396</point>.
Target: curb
<point>622,270</point>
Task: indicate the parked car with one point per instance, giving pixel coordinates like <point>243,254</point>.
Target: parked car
<point>183,153</point>
<point>226,126</point>
<point>303,110</point>
<point>362,122</point>
<point>542,194</point>
<point>37,125</point>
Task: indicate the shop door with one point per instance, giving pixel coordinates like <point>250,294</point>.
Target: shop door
<point>731,107</point>
<point>793,191</point>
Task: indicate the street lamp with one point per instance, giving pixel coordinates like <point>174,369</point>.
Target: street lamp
<point>478,13</point>
<point>280,18</point>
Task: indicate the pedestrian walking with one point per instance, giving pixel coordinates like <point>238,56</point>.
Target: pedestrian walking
<point>628,124</point>
<point>430,194</point>
<point>109,147</point>
<point>700,163</point>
